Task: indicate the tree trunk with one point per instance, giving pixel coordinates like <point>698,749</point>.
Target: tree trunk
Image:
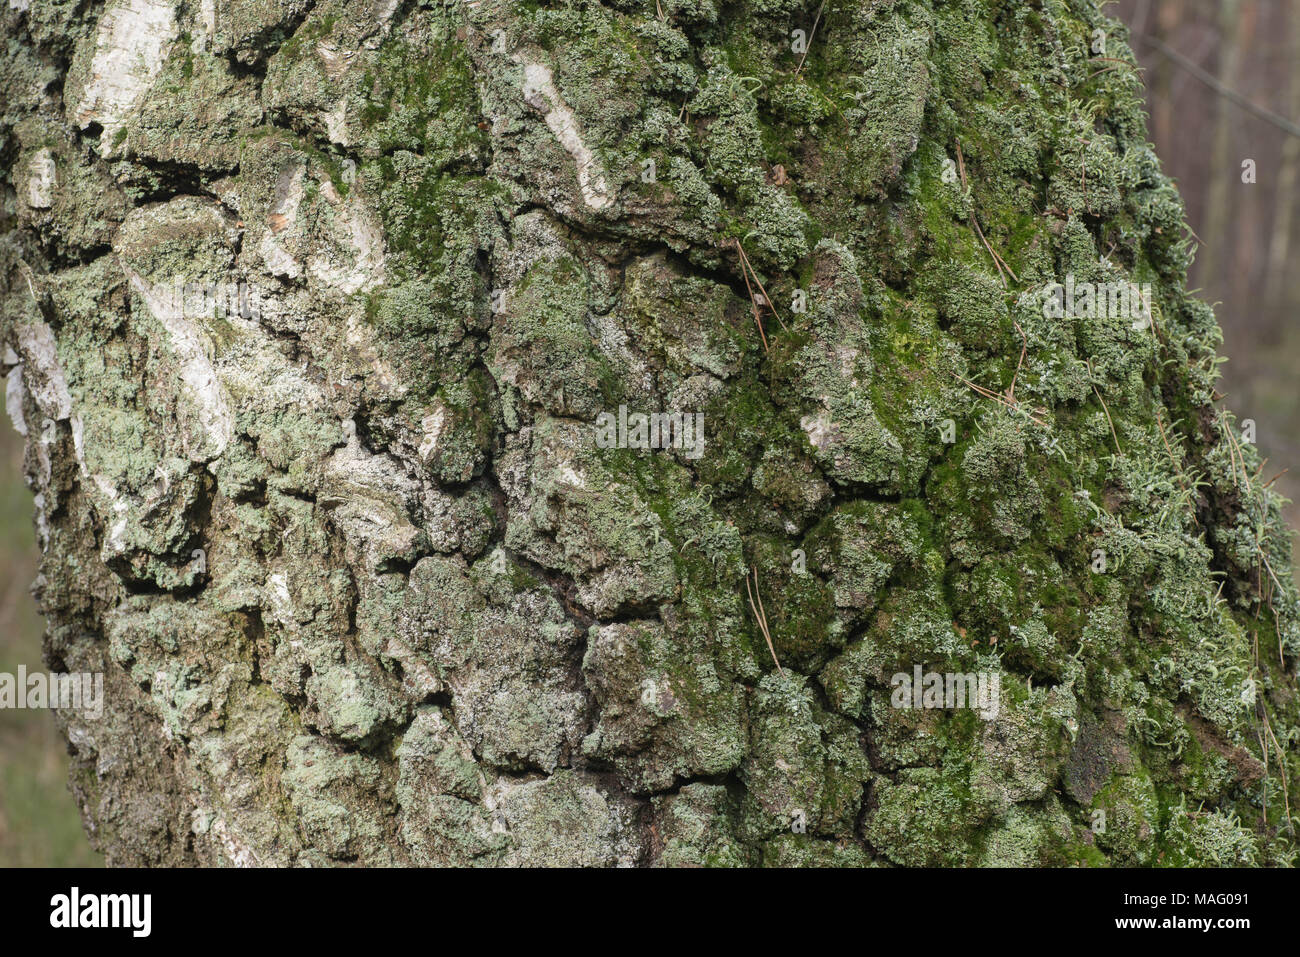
<point>332,329</point>
<point>1216,264</point>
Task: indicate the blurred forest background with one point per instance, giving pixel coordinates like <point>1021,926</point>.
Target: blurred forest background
<point>1223,86</point>
<point>39,822</point>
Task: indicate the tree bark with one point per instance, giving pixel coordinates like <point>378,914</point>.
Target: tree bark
<point>329,325</point>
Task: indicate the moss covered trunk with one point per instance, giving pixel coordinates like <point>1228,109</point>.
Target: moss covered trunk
<point>563,432</point>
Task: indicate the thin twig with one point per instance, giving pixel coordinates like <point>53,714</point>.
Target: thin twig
<point>987,393</point>
<point>1232,455</point>
<point>1001,399</point>
<point>1115,59</point>
<point>996,265</point>
<point>1270,571</point>
<point>760,616</point>
<point>1240,460</point>
<point>1024,347</point>
<point>1286,796</point>
<point>998,262</point>
<point>1110,421</point>
<point>766,298</point>
<point>1005,265</point>
<point>758,320</point>
<point>1263,750</point>
<point>1106,69</point>
<point>811,33</point>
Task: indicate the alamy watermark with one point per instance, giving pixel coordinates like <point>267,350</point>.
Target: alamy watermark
<point>205,300</point>
<point>981,691</point>
<point>1102,300</point>
<point>655,430</point>
<point>82,691</point>
<point>133,912</point>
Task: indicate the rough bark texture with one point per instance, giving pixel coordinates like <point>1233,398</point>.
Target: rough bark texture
<point>433,622</point>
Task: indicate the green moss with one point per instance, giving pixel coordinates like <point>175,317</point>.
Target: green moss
<point>926,817</point>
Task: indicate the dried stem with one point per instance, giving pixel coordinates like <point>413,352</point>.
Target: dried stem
<point>760,616</point>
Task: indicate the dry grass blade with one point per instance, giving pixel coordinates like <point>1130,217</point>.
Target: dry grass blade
<point>1238,457</point>
<point>744,258</point>
<point>750,275</point>
<point>758,319</point>
<point>1001,399</point>
<point>1286,796</point>
<point>811,33</point>
<point>999,263</point>
<point>1092,376</point>
<point>760,616</point>
<point>1024,347</point>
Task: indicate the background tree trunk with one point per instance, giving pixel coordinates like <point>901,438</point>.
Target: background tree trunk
<point>1233,37</point>
<point>1279,246</point>
<point>368,586</point>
